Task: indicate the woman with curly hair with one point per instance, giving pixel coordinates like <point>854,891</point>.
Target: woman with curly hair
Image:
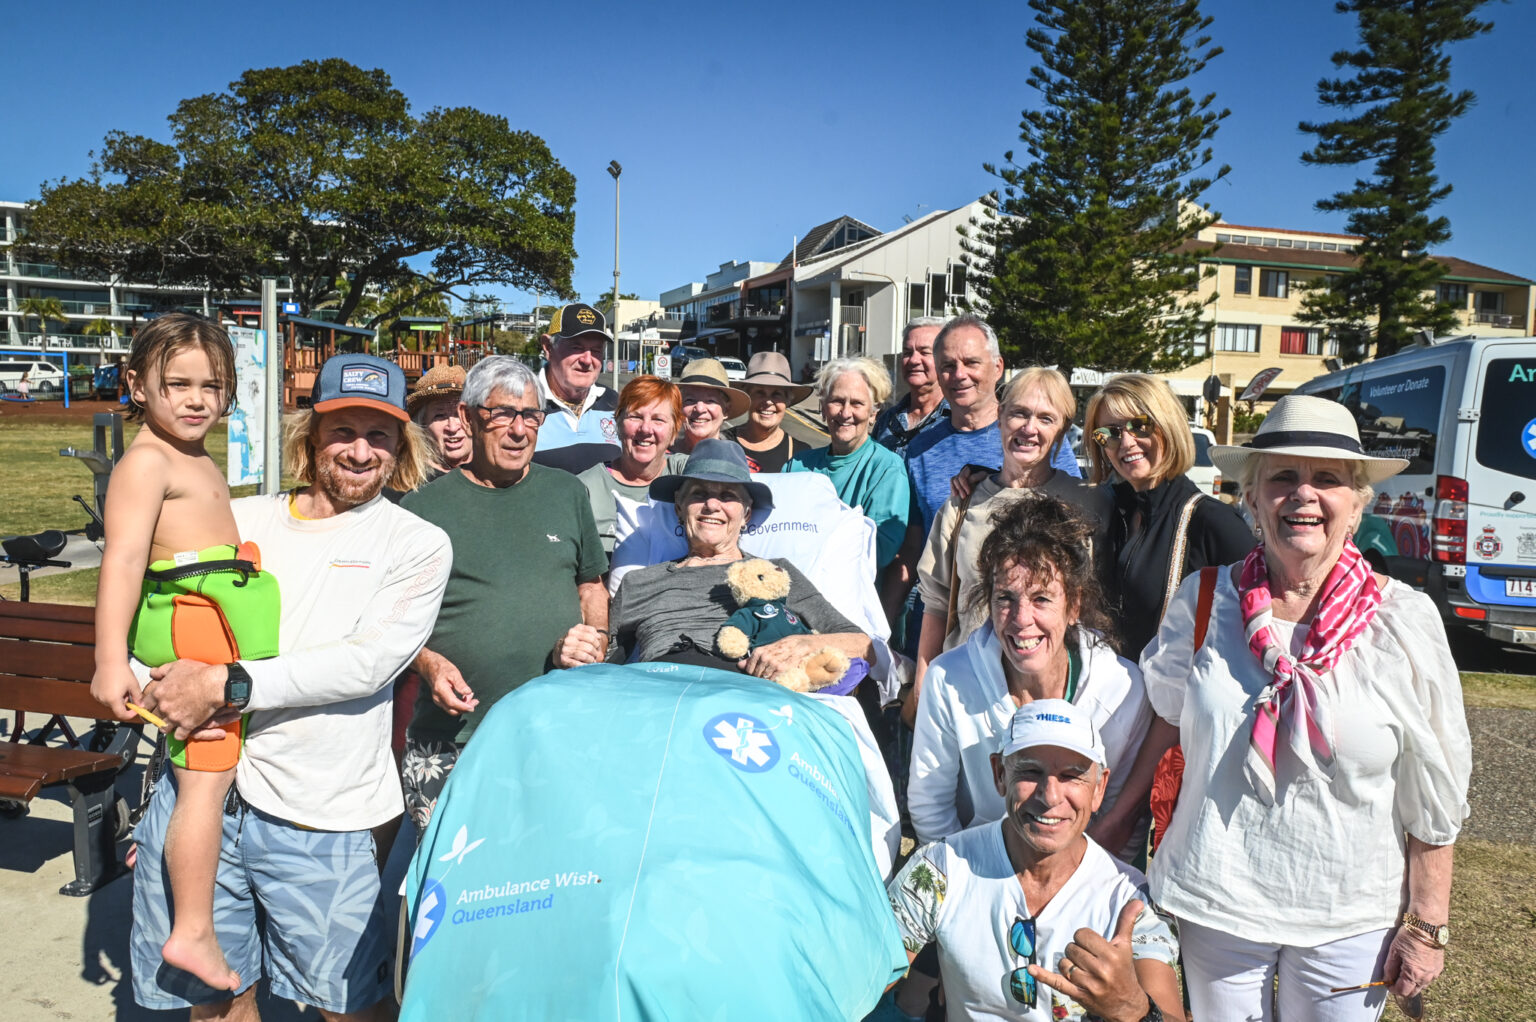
<point>1045,637</point>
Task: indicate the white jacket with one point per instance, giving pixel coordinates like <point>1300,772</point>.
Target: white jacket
<point>964,712</point>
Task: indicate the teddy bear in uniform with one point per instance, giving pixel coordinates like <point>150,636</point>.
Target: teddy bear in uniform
<point>760,588</point>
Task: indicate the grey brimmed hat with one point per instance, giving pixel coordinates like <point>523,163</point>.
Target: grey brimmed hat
<point>718,461</point>
<point>771,369</point>
<point>707,372</point>
<point>1309,427</point>
<point>1054,722</point>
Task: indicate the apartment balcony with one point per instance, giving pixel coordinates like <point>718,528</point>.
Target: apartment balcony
<point>738,314</point>
<point>853,314</point>
<point>83,343</point>
<point>1501,320</point>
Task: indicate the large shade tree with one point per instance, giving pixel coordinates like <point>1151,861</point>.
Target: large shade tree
<point>319,172</point>
<point>1397,101</point>
<point>1082,258</point>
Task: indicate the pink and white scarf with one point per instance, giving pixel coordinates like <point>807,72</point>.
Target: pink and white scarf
<point>1293,701</point>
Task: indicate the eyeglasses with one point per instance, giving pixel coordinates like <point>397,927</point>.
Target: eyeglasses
<point>502,415</point>
<point>1021,937</point>
<point>1140,427</point>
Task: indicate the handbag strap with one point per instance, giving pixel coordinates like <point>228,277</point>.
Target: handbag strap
<point>954,564</point>
<point>1206,597</point>
<point>1176,555</point>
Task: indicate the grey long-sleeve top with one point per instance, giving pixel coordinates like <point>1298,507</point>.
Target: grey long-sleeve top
<point>662,606</point>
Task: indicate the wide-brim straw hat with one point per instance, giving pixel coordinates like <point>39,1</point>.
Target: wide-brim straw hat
<point>439,381</point>
<point>718,461</point>
<point>1308,427</point>
<point>706,372</point>
<point>771,369</point>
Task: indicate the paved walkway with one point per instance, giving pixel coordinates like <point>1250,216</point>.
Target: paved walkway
<point>66,958</point>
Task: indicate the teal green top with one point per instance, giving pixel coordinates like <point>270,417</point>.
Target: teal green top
<point>872,478</point>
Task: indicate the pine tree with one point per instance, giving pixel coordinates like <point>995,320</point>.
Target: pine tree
<point>1398,102</point>
<point>1081,257</point>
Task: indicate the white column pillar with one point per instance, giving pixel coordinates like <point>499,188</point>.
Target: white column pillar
<point>835,319</point>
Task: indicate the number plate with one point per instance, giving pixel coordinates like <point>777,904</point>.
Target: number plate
<point>1520,587</point>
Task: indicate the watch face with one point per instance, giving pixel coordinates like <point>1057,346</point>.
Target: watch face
<point>1443,935</point>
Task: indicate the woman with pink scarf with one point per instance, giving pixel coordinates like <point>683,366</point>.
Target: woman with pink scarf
<point>1325,743</point>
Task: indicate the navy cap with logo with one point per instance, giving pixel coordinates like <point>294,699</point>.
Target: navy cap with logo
<point>360,381</point>
<point>577,320</point>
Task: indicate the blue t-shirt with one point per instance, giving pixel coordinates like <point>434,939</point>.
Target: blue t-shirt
<point>870,477</point>
<point>1066,461</point>
<point>940,451</point>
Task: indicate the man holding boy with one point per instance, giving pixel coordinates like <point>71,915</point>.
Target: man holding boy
<point>361,582</point>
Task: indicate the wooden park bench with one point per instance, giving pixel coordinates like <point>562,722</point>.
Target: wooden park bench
<point>47,657</point>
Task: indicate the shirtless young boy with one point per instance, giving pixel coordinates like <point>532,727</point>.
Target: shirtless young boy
<point>175,582</point>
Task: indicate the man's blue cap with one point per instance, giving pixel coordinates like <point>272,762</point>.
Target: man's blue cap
<point>360,381</point>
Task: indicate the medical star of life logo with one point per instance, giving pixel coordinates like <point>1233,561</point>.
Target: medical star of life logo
<point>743,740</point>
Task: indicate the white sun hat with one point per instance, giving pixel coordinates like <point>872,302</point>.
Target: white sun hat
<point>1308,427</point>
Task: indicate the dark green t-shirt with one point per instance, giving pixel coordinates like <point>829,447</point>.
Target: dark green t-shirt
<point>518,554</point>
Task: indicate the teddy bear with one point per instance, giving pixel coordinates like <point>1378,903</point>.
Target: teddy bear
<point>760,588</point>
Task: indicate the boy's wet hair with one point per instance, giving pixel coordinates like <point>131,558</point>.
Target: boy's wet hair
<point>165,337</point>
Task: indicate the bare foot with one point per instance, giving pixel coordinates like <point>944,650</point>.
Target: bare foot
<point>202,958</point>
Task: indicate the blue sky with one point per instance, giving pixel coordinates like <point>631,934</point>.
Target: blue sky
<point>741,126</point>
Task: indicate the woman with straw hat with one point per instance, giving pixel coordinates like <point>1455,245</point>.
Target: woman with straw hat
<point>709,402</point>
<point>1326,748</point>
<point>434,406</point>
<point>762,435</point>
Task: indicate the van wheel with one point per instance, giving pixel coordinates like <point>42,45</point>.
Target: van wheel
<point>45,387</point>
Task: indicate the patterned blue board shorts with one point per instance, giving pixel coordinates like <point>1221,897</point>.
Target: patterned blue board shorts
<point>304,907</point>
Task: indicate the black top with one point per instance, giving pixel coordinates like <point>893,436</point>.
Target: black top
<point>771,460</point>
<point>1141,536</point>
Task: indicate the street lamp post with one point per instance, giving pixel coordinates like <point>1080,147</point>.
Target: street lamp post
<point>615,170</point>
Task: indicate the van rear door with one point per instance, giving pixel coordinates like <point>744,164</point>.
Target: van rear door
<point>1499,460</point>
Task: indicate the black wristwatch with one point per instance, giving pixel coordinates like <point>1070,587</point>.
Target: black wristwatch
<point>237,687</point>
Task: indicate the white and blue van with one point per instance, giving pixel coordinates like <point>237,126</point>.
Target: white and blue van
<point>1460,520</point>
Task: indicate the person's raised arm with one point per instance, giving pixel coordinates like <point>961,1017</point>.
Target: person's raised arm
<point>134,499</point>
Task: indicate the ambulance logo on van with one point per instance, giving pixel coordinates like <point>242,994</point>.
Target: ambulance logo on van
<point>1528,438</point>
<point>1489,545</point>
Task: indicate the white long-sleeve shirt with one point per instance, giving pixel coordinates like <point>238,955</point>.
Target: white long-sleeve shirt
<point>360,592</point>
<point>964,712</point>
<point>1326,861</point>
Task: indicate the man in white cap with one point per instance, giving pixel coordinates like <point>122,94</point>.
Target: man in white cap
<point>1029,914</point>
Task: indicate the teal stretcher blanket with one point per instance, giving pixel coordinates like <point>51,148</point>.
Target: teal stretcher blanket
<point>651,842</point>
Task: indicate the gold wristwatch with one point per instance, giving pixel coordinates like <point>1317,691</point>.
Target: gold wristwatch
<point>1440,935</point>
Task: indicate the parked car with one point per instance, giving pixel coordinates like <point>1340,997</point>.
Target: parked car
<point>734,369</point>
<point>45,377</point>
<point>685,353</point>
<point>1204,473</point>
<point>1462,515</point>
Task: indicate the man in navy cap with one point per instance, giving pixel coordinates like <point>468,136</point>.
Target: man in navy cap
<point>298,896</point>
<point>578,429</point>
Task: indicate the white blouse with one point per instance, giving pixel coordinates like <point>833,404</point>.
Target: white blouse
<point>964,712</point>
<point>1326,861</point>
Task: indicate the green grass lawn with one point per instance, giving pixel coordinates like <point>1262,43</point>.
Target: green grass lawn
<point>1499,691</point>
<point>38,483</point>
